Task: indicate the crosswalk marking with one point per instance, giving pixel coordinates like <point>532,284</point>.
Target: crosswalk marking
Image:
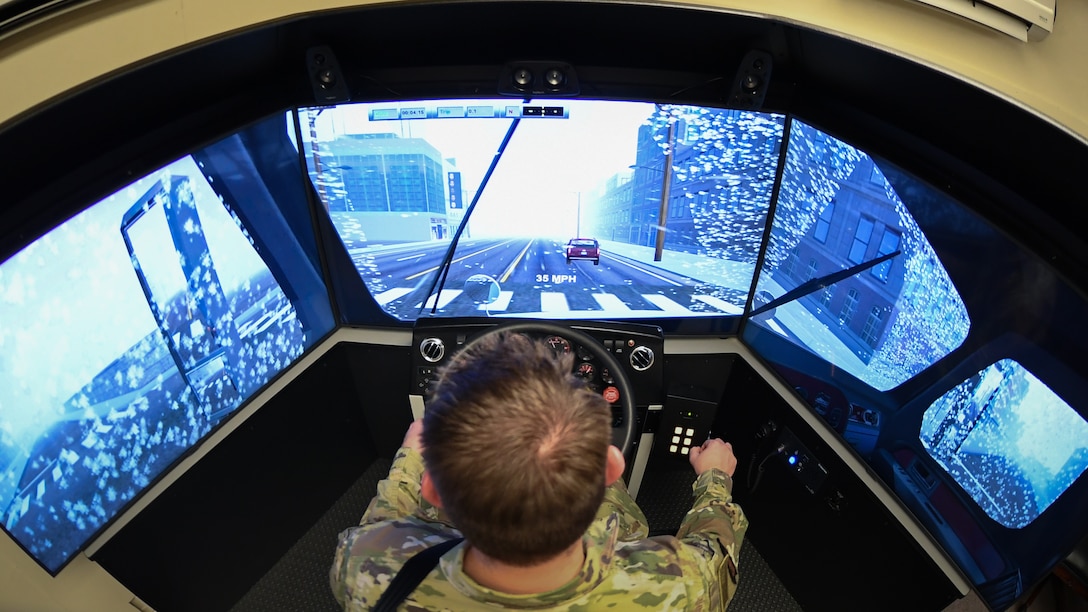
<point>499,305</point>
<point>385,297</point>
<point>610,302</point>
<point>447,296</point>
<point>657,304</point>
<point>553,302</point>
<point>665,303</point>
<point>776,327</point>
<point>720,304</point>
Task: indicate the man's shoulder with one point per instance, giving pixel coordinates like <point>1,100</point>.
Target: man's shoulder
<point>397,539</point>
<point>369,556</point>
<point>652,554</point>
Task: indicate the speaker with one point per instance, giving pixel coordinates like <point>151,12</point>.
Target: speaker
<point>325,76</point>
<point>750,84</point>
<point>538,79</point>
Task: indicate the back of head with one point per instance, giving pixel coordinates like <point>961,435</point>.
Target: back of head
<point>516,447</point>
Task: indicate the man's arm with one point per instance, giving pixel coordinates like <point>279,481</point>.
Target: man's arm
<point>356,567</point>
<point>715,526</point>
<point>399,494</point>
<point>632,525</point>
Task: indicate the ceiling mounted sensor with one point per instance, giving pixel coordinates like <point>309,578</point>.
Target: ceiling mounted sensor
<point>1027,20</point>
<point>536,79</point>
<point>326,79</point>
<point>753,78</point>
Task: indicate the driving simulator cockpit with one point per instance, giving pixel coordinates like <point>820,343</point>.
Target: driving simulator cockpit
<point>220,313</point>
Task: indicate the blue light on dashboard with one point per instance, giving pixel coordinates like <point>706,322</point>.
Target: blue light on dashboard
<point>792,459</point>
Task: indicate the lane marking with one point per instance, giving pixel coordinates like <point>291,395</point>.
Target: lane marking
<point>514,264</point>
<point>458,260</point>
<point>644,271</point>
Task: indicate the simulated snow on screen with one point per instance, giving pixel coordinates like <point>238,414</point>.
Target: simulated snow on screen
<point>129,333</point>
<point>676,198</point>
<point>854,278</point>
<point>1008,440</point>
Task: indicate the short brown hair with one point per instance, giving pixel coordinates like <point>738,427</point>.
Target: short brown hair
<point>516,446</point>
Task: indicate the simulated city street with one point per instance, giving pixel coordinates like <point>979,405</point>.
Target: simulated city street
<point>534,277</point>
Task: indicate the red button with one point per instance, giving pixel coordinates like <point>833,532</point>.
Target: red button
<point>611,395</point>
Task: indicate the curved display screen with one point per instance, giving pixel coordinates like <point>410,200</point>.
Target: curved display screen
<point>848,274</point>
<point>622,210</point>
<point>578,209</point>
<point>145,321</point>
<point>1008,440</point>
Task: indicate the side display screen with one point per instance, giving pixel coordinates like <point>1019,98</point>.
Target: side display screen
<point>1008,440</point>
<point>143,323</point>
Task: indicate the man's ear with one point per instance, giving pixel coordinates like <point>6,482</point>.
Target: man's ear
<point>614,465</point>
<point>426,488</point>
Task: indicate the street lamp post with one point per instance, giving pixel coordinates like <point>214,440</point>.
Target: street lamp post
<point>666,184</point>
<point>663,211</point>
<point>578,220</point>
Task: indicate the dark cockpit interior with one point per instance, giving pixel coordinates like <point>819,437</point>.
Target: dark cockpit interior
<point>231,273</point>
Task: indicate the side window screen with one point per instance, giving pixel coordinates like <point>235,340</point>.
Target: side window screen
<point>898,312</point>
<point>142,324</point>
<point>1008,440</point>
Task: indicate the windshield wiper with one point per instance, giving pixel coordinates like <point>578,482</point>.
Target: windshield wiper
<point>816,284</point>
<point>447,260</point>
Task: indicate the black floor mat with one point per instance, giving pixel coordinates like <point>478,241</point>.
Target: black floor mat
<point>299,582</point>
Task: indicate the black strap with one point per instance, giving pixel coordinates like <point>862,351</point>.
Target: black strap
<point>413,573</point>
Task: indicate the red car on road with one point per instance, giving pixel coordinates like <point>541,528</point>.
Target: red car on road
<point>584,248</point>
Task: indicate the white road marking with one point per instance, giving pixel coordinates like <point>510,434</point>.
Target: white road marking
<point>666,303</point>
<point>553,302</point>
<point>720,304</point>
<point>610,302</point>
<point>389,295</point>
<point>444,298</point>
<point>499,305</point>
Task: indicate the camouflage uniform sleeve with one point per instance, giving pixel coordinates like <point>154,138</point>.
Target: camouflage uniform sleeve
<point>632,524</point>
<point>355,566</point>
<point>399,494</point>
<point>715,527</point>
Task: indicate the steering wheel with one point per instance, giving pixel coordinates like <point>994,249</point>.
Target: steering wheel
<point>623,434</point>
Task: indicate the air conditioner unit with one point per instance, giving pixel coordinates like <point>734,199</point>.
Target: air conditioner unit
<point>1023,19</point>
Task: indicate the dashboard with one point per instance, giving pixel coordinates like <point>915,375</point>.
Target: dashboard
<point>624,362</point>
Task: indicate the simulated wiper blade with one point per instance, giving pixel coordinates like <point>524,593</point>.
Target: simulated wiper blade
<point>447,260</point>
<point>816,284</point>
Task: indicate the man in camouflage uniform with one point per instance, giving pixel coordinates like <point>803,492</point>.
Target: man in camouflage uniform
<point>517,455</point>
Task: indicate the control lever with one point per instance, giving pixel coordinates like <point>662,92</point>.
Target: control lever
<point>781,448</point>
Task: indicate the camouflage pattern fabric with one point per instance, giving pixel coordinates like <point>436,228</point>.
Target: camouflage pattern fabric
<point>695,570</point>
